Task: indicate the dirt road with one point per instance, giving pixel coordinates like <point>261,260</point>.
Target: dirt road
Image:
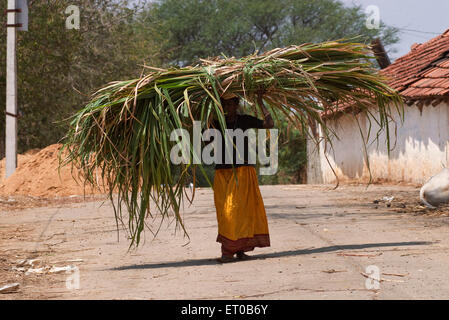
<point>325,244</point>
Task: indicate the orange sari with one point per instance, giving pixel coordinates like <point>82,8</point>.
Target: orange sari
<point>241,216</point>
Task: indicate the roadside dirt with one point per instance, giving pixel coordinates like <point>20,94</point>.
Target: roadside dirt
<point>39,175</point>
<point>323,240</point>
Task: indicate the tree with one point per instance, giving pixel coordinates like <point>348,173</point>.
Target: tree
<point>58,68</point>
<point>198,29</point>
<point>292,156</point>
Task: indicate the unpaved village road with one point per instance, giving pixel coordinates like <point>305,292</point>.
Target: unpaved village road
<point>323,241</point>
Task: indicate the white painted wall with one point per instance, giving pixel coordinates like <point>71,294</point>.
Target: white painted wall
<point>421,149</point>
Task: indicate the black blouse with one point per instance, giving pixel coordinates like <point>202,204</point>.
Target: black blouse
<point>243,122</point>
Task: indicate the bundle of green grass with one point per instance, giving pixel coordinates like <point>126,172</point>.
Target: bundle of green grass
<point>124,132</point>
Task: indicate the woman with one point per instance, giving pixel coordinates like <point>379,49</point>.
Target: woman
<point>242,221</point>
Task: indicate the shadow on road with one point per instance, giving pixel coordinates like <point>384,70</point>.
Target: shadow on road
<point>206,262</point>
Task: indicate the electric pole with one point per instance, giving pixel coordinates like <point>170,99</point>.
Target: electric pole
<point>11,90</point>
<point>17,19</point>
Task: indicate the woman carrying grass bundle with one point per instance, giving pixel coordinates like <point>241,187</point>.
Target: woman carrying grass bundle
<point>122,136</point>
<point>242,221</point>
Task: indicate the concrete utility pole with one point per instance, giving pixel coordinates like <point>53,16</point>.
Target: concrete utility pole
<point>17,19</point>
<point>11,90</point>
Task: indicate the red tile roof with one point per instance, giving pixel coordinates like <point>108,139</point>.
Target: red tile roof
<point>424,71</point>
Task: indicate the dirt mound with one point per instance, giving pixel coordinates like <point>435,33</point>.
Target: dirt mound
<point>38,175</point>
<point>21,159</point>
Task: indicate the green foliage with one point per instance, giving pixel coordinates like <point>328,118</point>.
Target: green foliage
<point>200,29</point>
<point>59,68</point>
<point>292,156</point>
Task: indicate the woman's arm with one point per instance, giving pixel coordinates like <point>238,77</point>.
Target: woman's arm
<point>268,122</point>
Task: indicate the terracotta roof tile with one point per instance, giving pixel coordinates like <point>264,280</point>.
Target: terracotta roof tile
<point>424,71</point>
<point>444,64</point>
<point>420,74</point>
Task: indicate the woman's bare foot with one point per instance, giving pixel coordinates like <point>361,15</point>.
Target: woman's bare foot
<point>242,256</point>
<point>226,259</point>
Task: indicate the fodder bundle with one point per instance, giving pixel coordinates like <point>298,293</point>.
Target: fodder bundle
<point>124,132</point>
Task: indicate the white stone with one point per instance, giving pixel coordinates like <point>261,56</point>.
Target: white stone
<point>9,288</point>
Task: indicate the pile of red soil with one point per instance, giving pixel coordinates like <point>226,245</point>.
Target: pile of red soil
<point>38,175</point>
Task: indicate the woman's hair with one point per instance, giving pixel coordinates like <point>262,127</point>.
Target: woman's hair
<point>236,100</point>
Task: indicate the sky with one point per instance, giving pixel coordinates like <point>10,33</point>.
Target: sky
<point>419,20</point>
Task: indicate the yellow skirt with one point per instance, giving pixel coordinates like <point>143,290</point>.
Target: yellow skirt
<point>241,216</point>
